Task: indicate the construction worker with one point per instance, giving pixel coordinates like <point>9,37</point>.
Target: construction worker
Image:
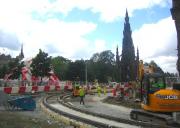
<point>104,89</point>
<point>81,94</point>
<point>99,90</point>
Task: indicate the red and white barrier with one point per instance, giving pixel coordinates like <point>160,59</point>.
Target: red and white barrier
<point>30,89</point>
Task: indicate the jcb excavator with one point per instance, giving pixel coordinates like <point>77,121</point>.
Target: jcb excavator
<point>158,103</point>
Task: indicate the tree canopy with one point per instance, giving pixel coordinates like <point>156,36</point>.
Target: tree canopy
<point>100,66</point>
<point>60,66</point>
<point>40,65</point>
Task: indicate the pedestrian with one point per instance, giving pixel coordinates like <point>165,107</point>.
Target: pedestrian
<point>81,94</point>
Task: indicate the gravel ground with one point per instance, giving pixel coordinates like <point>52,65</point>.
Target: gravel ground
<point>130,103</point>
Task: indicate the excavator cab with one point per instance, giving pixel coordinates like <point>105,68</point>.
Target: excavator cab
<point>150,84</point>
<point>158,98</point>
<point>156,101</point>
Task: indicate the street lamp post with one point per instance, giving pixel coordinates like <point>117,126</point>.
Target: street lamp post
<point>86,72</point>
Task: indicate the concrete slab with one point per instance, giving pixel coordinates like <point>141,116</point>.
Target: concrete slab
<point>93,104</point>
<point>90,117</point>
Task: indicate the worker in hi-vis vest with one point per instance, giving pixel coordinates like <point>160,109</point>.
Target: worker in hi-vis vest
<point>81,94</point>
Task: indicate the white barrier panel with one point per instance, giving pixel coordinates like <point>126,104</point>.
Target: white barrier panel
<point>40,88</point>
<point>62,84</point>
<point>15,90</point>
<point>28,89</point>
<point>52,87</point>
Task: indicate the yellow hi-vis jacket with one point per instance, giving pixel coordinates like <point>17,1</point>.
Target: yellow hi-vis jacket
<point>81,92</point>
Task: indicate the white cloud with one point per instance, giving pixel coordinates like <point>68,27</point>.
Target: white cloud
<point>167,63</point>
<point>67,38</point>
<point>109,10</point>
<point>158,42</point>
<point>100,45</point>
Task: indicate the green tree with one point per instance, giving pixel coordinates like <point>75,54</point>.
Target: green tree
<point>156,67</point>
<point>102,66</point>
<point>40,65</point>
<point>14,68</point>
<point>76,70</point>
<point>3,70</point>
<point>60,66</point>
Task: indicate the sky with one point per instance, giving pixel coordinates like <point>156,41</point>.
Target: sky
<point>76,29</point>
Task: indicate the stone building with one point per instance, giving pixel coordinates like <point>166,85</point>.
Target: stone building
<point>175,12</point>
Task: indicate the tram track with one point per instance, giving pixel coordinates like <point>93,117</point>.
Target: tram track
<point>113,121</point>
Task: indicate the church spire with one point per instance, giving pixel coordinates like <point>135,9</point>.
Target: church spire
<point>21,56</point>
<point>117,55</point>
<point>137,54</point>
<point>127,28</point>
<point>128,61</point>
<point>118,69</point>
<point>137,64</point>
<point>126,17</point>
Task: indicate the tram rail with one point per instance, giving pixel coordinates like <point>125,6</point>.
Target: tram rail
<point>61,100</point>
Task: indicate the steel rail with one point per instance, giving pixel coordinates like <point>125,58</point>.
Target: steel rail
<point>62,98</point>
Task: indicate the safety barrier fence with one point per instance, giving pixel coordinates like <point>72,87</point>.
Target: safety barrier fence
<point>33,89</point>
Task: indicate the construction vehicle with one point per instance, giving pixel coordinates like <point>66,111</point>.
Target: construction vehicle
<point>158,103</point>
<point>76,88</point>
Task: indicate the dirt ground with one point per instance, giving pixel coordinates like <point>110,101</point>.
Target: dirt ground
<point>18,120</point>
<point>122,102</point>
<point>28,119</point>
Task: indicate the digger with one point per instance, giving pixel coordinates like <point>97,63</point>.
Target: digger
<point>158,103</point>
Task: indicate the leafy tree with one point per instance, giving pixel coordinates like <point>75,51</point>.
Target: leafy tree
<point>60,66</point>
<point>167,74</point>
<point>40,65</point>
<point>156,67</point>
<point>3,71</point>
<point>14,68</point>
<point>101,66</point>
<point>76,70</point>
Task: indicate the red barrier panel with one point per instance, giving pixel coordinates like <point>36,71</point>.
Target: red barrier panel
<point>65,87</point>
<point>57,88</point>
<point>114,92</point>
<point>46,88</point>
<point>22,89</point>
<point>8,90</point>
<point>35,88</point>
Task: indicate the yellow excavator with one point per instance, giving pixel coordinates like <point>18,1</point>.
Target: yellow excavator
<point>158,102</point>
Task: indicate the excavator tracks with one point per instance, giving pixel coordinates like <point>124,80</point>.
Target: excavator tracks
<point>164,120</point>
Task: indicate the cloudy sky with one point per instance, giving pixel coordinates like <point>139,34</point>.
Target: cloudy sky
<point>76,29</point>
